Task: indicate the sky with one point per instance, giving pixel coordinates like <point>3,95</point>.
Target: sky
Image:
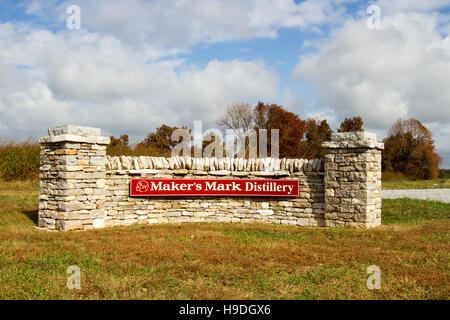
<point>134,65</point>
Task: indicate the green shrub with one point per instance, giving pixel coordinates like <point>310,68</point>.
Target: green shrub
<point>19,161</point>
<point>444,173</point>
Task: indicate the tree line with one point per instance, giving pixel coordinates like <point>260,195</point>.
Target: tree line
<point>409,147</point>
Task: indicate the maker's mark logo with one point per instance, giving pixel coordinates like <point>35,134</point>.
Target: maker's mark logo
<point>142,186</point>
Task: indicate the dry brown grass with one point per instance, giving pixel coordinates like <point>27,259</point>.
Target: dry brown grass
<point>218,261</point>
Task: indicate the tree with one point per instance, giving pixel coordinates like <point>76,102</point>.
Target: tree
<point>351,125</point>
<point>212,145</point>
<point>316,133</point>
<point>260,116</point>
<point>291,128</point>
<point>161,139</point>
<point>409,149</point>
<point>242,118</point>
<point>122,141</point>
<point>239,118</point>
<point>119,146</point>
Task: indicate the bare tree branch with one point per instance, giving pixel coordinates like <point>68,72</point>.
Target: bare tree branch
<point>239,118</point>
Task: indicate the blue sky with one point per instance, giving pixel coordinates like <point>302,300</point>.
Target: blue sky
<point>136,64</point>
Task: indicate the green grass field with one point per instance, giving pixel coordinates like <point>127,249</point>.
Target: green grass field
<point>416,184</point>
<point>225,261</point>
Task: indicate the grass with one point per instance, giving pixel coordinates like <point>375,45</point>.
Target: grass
<point>416,184</point>
<point>225,261</point>
<point>414,212</point>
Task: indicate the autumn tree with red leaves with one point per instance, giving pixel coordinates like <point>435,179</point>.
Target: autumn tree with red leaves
<point>316,133</point>
<point>409,149</point>
<point>297,137</point>
<point>291,128</point>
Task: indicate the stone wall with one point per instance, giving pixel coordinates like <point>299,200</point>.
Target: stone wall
<point>82,188</point>
<point>353,180</point>
<point>306,210</point>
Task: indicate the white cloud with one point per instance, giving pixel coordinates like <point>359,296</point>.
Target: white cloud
<point>394,6</point>
<point>95,79</point>
<point>169,27</point>
<point>26,113</point>
<point>401,70</point>
<point>441,135</point>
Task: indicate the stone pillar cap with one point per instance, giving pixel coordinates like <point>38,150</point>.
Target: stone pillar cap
<point>360,139</point>
<point>76,134</point>
<point>353,136</point>
<point>73,130</point>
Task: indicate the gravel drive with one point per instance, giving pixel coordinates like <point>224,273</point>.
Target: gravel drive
<point>442,195</point>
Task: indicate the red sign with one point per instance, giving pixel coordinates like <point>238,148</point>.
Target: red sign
<point>213,187</point>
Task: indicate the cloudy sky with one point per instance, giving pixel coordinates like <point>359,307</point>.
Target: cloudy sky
<point>133,65</point>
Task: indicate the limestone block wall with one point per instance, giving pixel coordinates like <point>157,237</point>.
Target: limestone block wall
<point>82,188</point>
<point>306,210</point>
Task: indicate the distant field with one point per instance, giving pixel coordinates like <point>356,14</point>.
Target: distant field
<point>418,184</point>
<point>225,261</point>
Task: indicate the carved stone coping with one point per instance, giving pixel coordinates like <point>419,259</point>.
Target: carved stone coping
<point>147,172</point>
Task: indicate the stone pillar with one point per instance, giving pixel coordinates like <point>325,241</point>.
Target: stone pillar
<point>72,178</point>
<point>353,180</point>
